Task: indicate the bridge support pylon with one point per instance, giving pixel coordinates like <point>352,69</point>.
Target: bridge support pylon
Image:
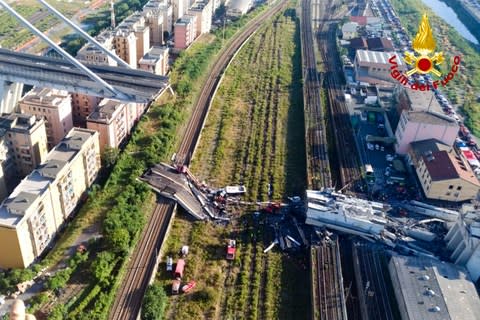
<point>10,93</point>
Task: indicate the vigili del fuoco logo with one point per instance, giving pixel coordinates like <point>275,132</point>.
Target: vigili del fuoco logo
<point>425,62</point>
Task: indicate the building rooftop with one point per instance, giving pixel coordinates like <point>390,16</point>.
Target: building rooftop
<point>424,147</point>
<point>45,96</point>
<point>430,117</point>
<point>238,5</point>
<point>105,111</point>
<point>443,165</point>
<point>19,122</point>
<point>350,27</point>
<point>433,289</point>
<point>13,209</point>
<point>358,43</point>
<point>185,19</point>
<point>377,57</point>
<point>153,55</point>
<point>378,43</point>
<point>361,20</point>
<point>423,100</point>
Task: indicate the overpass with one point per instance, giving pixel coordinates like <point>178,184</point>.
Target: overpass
<point>130,84</point>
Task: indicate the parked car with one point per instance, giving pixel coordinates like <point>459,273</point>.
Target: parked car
<point>169,264</point>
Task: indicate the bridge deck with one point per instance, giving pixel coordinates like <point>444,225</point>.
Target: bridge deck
<point>137,85</point>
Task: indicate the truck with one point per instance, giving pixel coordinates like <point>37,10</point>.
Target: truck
<point>231,248</point>
<point>179,269</point>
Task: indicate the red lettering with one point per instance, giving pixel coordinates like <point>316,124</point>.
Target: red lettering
<point>414,86</point>
<point>454,68</point>
<point>393,59</point>
<point>450,76</point>
<point>456,60</point>
<point>435,84</point>
<point>444,81</point>
<point>403,80</point>
<point>395,73</point>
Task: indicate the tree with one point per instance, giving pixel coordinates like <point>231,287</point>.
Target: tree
<point>102,267</point>
<point>154,303</point>
<point>120,240</point>
<point>109,156</point>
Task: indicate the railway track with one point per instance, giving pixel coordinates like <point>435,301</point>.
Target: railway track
<point>202,106</point>
<point>349,168</point>
<point>129,297</point>
<point>329,300</point>
<point>318,165</point>
<point>141,265</point>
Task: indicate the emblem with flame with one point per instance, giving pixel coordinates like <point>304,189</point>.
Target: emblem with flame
<point>424,44</point>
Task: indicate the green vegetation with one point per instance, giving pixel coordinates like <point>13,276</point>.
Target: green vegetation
<point>123,204</point>
<point>466,84</point>
<point>154,303</point>
<point>256,119</point>
<point>256,116</point>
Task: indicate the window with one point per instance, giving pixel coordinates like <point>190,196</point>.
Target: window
<point>450,187</point>
<point>459,188</point>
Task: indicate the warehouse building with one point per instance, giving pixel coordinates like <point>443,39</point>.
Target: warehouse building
<point>430,289</point>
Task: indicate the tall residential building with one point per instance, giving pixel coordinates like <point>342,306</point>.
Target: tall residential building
<point>203,11</point>
<point>26,137</point>
<point>152,11</point>
<point>34,212</point>
<point>136,23</point>
<point>55,106</point>
<point>179,9</point>
<point>154,20</point>
<point>185,31</point>
<point>91,54</point>
<point>82,106</point>
<point>8,176</point>
<point>126,46</point>
<point>113,120</point>
<point>155,61</point>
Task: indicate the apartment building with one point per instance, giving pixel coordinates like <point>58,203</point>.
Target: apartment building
<point>26,137</point>
<point>155,61</point>
<point>136,23</point>
<point>443,174</point>
<point>82,106</point>
<point>54,106</point>
<point>185,31</point>
<point>33,213</point>
<point>154,18</point>
<point>203,11</point>
<point>92,55</point>
<point>155,10</point>
<point>422,125</point>
<point>113,120</point>
<point>8,176</point>
<point>125,43</point>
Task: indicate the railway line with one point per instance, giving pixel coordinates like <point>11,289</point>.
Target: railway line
<point>142,263</point>
<point>328,298</point>
<point>129,297</point>
<point>349,168</point>
<point>371,281</point>
<point>207,93</point>
<point>318,165</point>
